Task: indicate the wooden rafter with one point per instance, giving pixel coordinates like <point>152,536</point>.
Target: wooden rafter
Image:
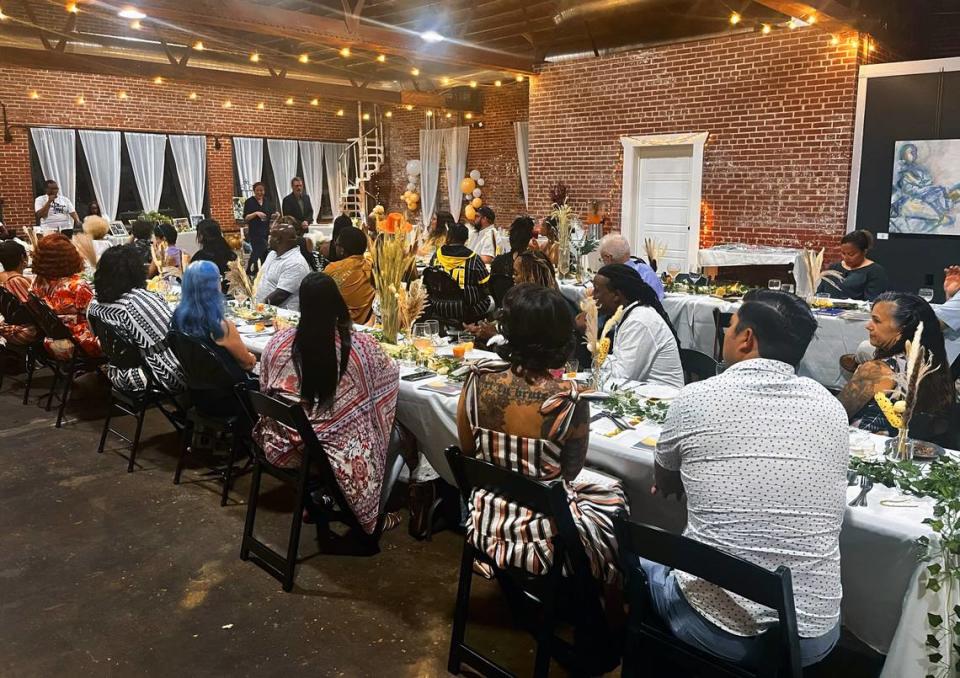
<point>33,19</point>
<point>830,14</point>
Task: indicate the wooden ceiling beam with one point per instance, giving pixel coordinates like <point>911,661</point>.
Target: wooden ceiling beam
<point>246,16</point>
<point>830,14</point>
<point>108,65</point>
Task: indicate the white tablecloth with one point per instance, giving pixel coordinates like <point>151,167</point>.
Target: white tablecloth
<point>746,255</point>
<point>187,241</point>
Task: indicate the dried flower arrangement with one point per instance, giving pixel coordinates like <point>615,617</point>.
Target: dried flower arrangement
<point>392,257</point>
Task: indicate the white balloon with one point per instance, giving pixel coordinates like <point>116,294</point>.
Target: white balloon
<point>413,167</point>
<point>411,186</point>
<point>477,193</point>
<point>475,174</point>
<point>479,182</point>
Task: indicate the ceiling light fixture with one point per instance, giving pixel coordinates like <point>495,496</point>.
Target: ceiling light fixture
<point>382,58</point>
<point>345,51</point>
<point>735,18</point>
<point>304,58</point>
<point>131,13</point>
<point>414,71</point>
<point>314,102</point>
<point>255,57</point>
<point>431,36</point>
<point>765,29</point>
<point>198,45</point>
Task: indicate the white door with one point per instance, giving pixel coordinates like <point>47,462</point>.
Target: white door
<point>663,204</point>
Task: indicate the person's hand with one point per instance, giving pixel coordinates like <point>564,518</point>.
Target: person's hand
<point>951,281</point>
<point>482,331</point>
<point>261,215</point>
<point>581,322</point>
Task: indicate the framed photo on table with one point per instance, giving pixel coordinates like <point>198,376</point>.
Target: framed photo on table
<point>181,224</point>
<point>196,219</point>
<point>117,228</point>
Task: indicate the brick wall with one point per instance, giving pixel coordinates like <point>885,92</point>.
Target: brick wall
<point>154,108</point>
<point>492,150</point>
<point>779,110</point>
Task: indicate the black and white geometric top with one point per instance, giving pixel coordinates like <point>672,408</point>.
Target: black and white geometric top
<point>144,317</point>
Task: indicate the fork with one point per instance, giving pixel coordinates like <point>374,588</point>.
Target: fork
<point>865,486</point>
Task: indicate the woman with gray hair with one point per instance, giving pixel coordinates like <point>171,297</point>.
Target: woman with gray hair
<point>614,249</point>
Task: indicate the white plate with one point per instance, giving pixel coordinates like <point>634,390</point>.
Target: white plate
<point>250,330</point>
<point>658,391</point>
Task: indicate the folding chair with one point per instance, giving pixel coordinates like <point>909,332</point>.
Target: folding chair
<point>697,366</point>
<point>314,471</point>
<point>122,353</point>
<point>79,362</point>
<point>537,601</point>
<point>721,321</point>
<point>448,303</point>
<point>32,355</point>
<point>650,649</point>
<point>208,377</point>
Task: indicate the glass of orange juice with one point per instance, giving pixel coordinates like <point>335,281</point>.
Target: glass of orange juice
<point>467,341</point>
<point>459,351</point>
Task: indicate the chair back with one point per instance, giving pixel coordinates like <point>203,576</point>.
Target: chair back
<point>955,368</point>
<point>116,346</point>
<point>721,321</point>
<point>440,285</point>
<point>771,589</point>
<point>48,321</point>
<point>697,366</point>
<point>203,369</point>
<point>12,310</point>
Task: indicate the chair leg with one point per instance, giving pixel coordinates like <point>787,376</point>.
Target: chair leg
<point>228,472</point>
<point>136,439</point>
<point>462,608</point>
<point>545,634</point>
<point>53,388</point>
<point>293,547</point>
<point>31,367</point>
<point>66,394</point>
<point>186,437</point>
<point>106,427</point>
<point>251,510</point>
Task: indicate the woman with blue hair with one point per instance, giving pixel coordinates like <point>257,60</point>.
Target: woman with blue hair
<point>201,314</point>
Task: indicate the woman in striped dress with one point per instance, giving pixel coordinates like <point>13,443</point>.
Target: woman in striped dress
<point>516,415</point>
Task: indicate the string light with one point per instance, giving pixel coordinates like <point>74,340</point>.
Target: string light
<point>340,113</point>
<point>193,96</point>
<point>366,116</point>
<point>72,7</point>
<point>793,24</point>
<point>388,114</point>
<point>735,18</point>
<point>468,116</point>
<point>3,17</point>
<point>812,19</point>
<point>81,101</point>
<point>519,78</point>
<point>473,84</point>
<point>158,80</point>
<point>873,47</point>
<point>409,107</point>
<point>429,114</point>
<point>498,83</point>
<point>131,13</point>
<point>834,40</point>
<point>289,101</point>
<point>414,71</point>
<point>136,25</point>
<point>448,115</point>
<point>304,58</point>
<point>228,104</point>
<point>314,102</point>
<point>122,94</point>
<point>34,94</point>
<point>854,43</point>
<point>198,45</point>
<point>345,51</point>
<point>261,106</point>
<point>445,80</point>
<point>766,29</point>
<point>255,57</point>
<point>382,58</point>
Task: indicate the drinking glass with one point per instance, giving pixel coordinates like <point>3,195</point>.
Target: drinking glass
<point>421,337</point>
<point>773,284</point>
<point>571,368</point>
<point>926,294</point>
<point>433,328</point>
<point>466,340</point>
<point>822,299</point>
<point>673,270</point>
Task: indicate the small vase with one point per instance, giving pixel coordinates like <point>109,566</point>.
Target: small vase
<point>390,317</point>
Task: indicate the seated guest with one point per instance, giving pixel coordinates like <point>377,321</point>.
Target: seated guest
<point>614,249</point>
<point>644,346</point>
<point>142,239</point>
<point>58,266</point>
<point>213,246</point>
<point>201,314</point>
<point>501,270</point>
<point>515,414</point>
<point>143,317</point>
<point>949,312</point>
<point>466,268</point>
<point>894,319</point>
<point>861,278</point>
<point>95,230</point>
<point>13,259</point>
<point>483,235</point>
<point>436,235</point>
<point>348,388</point>
<point>172,258</point>
<point>304,244</point>
<point>730,442</point>
<point>548,229</point>
<point>339,225</point>
<point>283,270</point>
<point>353,274</point>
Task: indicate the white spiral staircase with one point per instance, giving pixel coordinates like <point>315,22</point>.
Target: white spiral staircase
<point>359,162</point>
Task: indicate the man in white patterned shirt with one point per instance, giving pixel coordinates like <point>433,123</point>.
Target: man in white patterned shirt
<point>762,456</point>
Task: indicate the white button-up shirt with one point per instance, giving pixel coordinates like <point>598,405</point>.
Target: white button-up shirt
<point>763,456</point>
<point>484,241</point>
<point>644,349</point>
<point>949,315</point>
<point>284,272</point>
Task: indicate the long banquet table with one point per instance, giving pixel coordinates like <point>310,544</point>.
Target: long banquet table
<point>884,603</point>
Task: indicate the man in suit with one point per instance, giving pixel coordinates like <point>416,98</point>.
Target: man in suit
<point>297,205</point>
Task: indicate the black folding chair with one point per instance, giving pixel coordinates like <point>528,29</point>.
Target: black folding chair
<point>122,353</point>
<point>447,300</point>
<point>208,379</point>
<point>32,355</point>
<point>697,366</point>
<point>314,472</point>
<point>955,368</point>
<point>536,601</point>
<point>79,362</point>
<point>721,321</point>
<point>650,649</point>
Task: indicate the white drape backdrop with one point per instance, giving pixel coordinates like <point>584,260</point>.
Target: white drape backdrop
<point>190,157</point>
<point>249,155</point>
<point>283,161</point>
<point>147,154</point>
<point>311,157</point>
<point>431,140</point>
<point>522,132</point>
<point>102,149</point>
<point>456,140</point>
<point>57,150</point>
<point>335,187</point>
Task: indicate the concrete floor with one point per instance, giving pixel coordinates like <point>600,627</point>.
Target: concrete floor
<point>105,573</point>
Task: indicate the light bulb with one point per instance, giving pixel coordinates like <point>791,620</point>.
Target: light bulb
<point>735,18</point>
<point>255,57</point>
<point>345,51</point>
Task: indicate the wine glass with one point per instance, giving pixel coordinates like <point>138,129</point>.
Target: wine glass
<point>673,269</point>
<point>773,285</point>
<point>787,288</point>
<point>433,329</point>
<point>926,293</point>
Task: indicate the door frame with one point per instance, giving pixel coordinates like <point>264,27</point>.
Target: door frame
<point>633,147</point>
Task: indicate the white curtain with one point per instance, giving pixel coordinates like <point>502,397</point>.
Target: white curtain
<point>431,140</point>
<point>249,155</point>
<point>335,187</point>
<point>103,159</point>
<point>311,157</point>
<point>522,131</point>
<point>190,157</point>
<point>57,150</point>
<point>455,143</point>
<point>147,155</point>
<point>283,160</point>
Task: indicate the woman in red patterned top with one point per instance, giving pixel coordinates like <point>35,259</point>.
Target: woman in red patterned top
<point>347,386</point>
<point>13,259</point>
<point>58,266</point>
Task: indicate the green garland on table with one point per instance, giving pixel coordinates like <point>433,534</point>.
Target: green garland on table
<point>941,482</point>
<point>628,404</point>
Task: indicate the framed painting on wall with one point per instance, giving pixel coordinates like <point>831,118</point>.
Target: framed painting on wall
<point>926,188</point>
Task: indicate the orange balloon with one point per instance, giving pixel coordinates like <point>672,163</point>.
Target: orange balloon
<point>477,203</point>
<point>467,185</point>
<point>469,212</point>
